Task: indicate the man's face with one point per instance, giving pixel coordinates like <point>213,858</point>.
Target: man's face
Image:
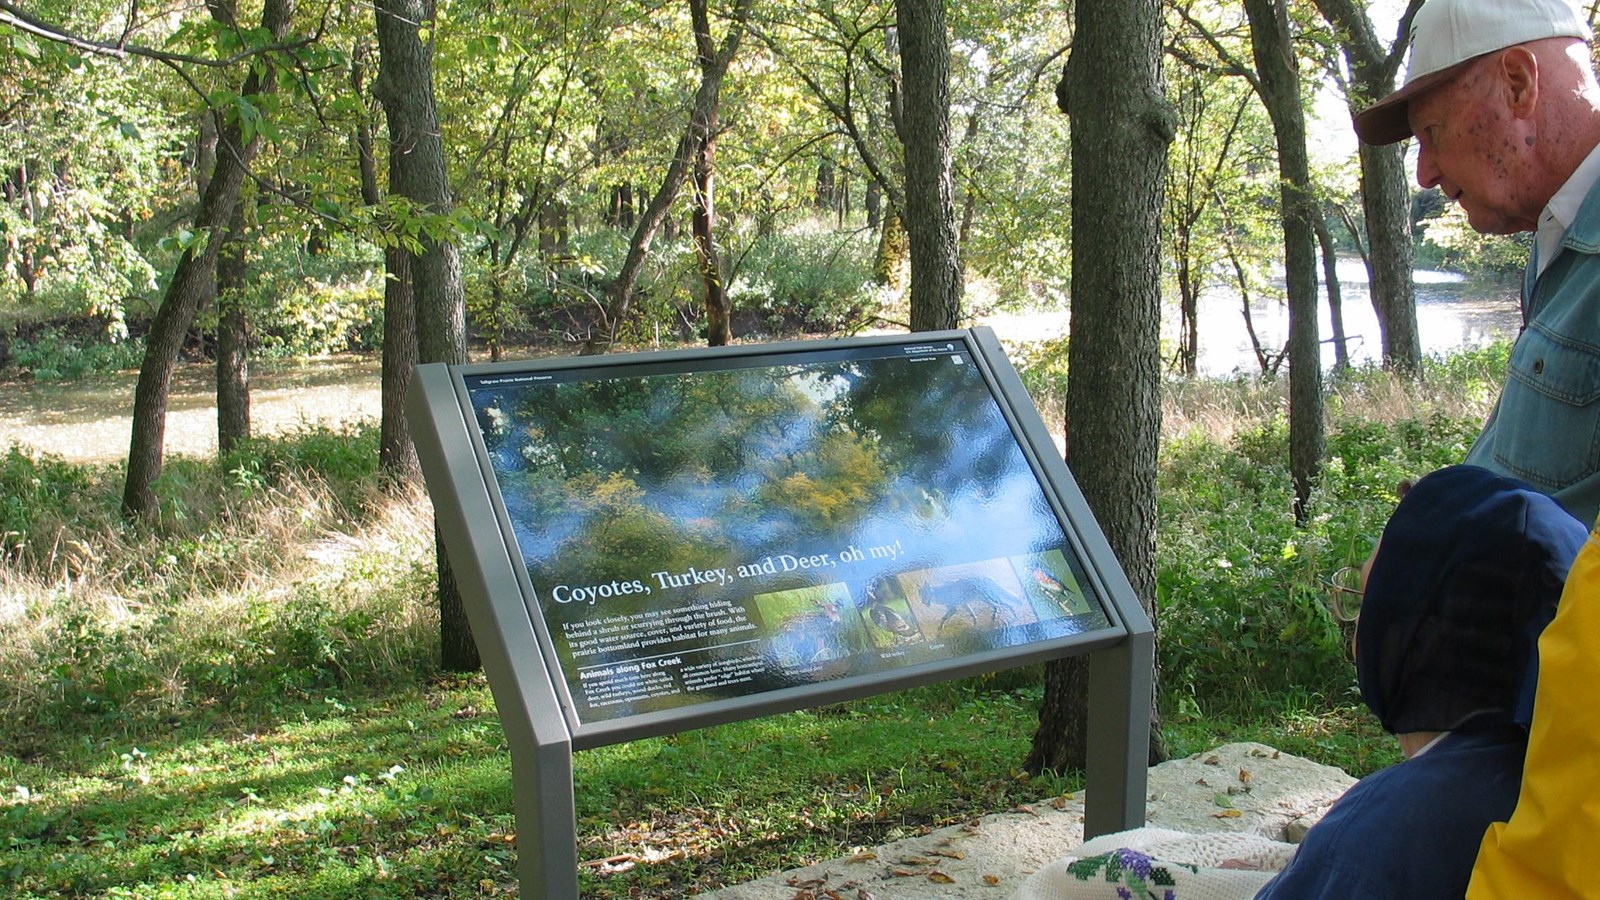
<point>1465,146</point>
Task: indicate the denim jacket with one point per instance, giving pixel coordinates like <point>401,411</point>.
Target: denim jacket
<point>1545,429</point>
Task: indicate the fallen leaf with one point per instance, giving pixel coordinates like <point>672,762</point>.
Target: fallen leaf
<point>1223,800</point>
<point>940,877</point>
<point>991,880</point>
<point>1227,814</point>
<point>1244,776</point>
<point>918,861</point>
<point>949,854</point>
<point>863,856</point>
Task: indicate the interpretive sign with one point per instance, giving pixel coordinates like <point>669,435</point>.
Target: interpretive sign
<point>660,541</point>
<point>693,536</point>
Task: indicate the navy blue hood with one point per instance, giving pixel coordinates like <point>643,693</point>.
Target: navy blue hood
<point>1467,575</point>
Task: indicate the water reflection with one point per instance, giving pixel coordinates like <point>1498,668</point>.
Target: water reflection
<point>1452,312</point>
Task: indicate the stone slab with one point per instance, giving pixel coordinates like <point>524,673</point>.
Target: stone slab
<point>1237,787</point>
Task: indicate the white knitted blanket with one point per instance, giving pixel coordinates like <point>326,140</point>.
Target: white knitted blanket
<point>1160,864</point>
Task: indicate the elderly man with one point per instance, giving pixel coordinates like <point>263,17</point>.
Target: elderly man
<point>1502,98</point>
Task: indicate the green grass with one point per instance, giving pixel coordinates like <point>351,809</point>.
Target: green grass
<point>241,702</point>
<point>407,794</point>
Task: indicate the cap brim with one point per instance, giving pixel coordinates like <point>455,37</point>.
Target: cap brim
<point>1388,121</point>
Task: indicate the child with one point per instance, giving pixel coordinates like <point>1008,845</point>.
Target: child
<point>1467,574</point>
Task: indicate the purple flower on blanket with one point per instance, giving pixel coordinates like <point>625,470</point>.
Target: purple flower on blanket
<point>1135,874</point>
<point>1133,861</point>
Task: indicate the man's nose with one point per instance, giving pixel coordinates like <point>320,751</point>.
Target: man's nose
<point>1427,172</point>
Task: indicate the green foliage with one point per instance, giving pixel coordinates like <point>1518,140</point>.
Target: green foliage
<point>39,490</point>
<point>1313,725</point>
<point>1043,367</point>
<point>1449,242</point>
<point>806,275</point>
<point>346,458</point>
<point>313,304</point>
<point>1472,369</point>
<point>1242,602</point>
<point>84,159</point>
<point>243,599</point>
<point>51,355</point>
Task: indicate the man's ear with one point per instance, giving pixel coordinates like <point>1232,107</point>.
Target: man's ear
<point>1519,79</point>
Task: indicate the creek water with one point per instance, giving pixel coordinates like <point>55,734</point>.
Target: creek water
<point>1453,312</point>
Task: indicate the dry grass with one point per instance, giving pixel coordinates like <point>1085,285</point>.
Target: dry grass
<point>1218,410</point>
<point>96,610</point>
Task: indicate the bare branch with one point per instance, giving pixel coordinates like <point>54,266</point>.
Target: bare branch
<point>11,15</point>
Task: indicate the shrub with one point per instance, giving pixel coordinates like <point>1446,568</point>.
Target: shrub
<point>808,277</point>
<point>346,454</point>
<point>52,355</point>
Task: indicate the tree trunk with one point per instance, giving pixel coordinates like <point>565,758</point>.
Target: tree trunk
<point>1279,85</point>
<point>553,229</point>
<point>719,330</point>
<point>827,194</point>
<point>1188,315</point>
<point>701,115</point>
<point>205,153</point>
<point>889,266</point>
<point>1385,187</point>
<point>417,172</point>
<point>1330,277</point>
<point>1121,129</point>
<point>924,128</point>
<point>1386,202</point>
<point>233,338</point>
<point>874,204</point>
<point>193,284</point>
<point>397,456</point>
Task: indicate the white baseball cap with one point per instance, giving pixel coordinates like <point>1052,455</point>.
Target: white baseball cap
<point>1447,34</point>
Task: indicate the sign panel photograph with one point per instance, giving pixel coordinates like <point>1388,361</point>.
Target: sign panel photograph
<point>767,522</point>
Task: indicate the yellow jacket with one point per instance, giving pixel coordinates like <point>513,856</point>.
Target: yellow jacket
<point>1547,850</point>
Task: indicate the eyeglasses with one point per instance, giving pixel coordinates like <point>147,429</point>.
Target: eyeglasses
<point>1345,593</point>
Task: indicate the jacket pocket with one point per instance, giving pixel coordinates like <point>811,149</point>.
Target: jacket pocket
<point>1549,419</point>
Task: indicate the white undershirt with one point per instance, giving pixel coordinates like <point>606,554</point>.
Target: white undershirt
<point>1562,209</point>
